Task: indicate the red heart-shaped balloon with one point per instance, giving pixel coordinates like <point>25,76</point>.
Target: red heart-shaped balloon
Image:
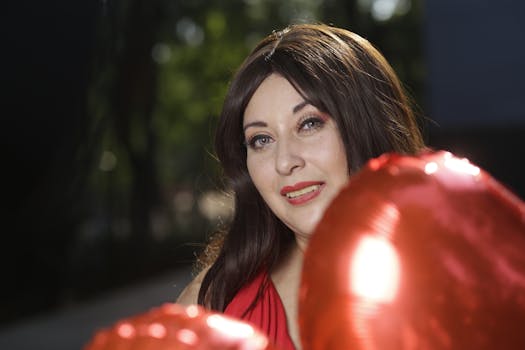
<point>423,252</point>
<point>176,327</point>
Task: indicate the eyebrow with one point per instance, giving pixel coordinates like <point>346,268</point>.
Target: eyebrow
<point>261,124</point>
<point>300,106</point>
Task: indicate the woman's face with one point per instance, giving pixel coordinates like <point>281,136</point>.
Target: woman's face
<point>295,155</point>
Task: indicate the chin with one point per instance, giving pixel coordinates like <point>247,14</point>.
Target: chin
<point>304,225</point>
<point>308,228</point>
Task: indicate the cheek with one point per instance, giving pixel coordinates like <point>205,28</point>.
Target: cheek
<point>251,165</point>
<point>257,171</point>
<point>333,156</point>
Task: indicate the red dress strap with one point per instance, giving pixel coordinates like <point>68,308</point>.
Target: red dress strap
<point>268,313</point>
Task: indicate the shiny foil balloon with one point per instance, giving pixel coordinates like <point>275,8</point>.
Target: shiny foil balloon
<point>422,252</point>
<point>175,327</point>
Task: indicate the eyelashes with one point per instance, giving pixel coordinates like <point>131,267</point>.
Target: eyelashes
<point>310,123</point>
<point>307,125</point>
<point>258,141</point>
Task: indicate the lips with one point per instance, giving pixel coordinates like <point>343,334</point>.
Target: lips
<point>302,192</point>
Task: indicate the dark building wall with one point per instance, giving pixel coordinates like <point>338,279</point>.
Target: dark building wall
<point>476,62</point>
<point>475,55</point>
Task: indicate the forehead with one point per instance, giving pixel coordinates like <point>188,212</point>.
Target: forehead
<point>275,94</point>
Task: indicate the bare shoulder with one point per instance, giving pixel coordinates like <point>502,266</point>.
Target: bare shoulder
<point>190,294</point>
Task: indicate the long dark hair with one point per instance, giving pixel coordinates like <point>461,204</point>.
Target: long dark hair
<point>341,74</point>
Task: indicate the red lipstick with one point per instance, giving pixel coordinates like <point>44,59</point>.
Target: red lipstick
<point>298,197</point>
<point>298,186</point>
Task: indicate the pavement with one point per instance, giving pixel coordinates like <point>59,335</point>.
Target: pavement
<point>72,327</point>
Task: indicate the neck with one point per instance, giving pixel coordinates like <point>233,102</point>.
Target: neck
<point>301,243</point>
<point>287,278</point>
<point>289,269</point>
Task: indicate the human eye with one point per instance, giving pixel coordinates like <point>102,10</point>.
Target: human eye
<point>311,123</point>
<point>258,141</point>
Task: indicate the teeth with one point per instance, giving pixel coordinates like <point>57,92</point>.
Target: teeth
<point>302,191</point>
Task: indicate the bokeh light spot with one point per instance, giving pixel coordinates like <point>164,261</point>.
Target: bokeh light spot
<point>161,53</point>
<point>461,165</point>
<point>108,161</point>
<point>431,168</point>
<point>157,330</point>
<point>189,32</point>
<point>192,311</point>
<point>187,336</point>
<point>230,327</point>
<point>126,331</point>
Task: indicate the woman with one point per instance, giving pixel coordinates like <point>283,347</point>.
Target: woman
<point>307,108</point>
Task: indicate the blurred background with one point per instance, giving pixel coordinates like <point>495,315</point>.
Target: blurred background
<point>109,182</point>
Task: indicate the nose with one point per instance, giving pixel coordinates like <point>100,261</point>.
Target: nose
<point>288,157</point>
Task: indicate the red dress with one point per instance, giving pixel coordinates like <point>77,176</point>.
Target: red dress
<point>268,313</point>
